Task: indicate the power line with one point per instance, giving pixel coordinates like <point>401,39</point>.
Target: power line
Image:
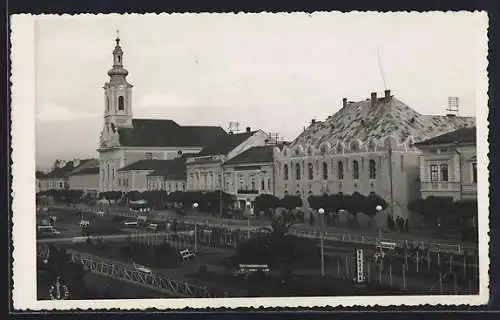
<point>381,69</point>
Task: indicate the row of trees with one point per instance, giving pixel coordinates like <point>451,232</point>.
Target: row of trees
<point>441,209</point>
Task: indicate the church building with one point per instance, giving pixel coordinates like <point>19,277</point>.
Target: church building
<point>125,140</point>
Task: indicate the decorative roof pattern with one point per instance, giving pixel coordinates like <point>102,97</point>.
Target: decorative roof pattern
<point>167,133</point>
<point>462,135</point>
<point>262,154</point>
<point>367,120</point>
<point>224,145</point>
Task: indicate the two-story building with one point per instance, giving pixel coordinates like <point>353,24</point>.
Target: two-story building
<point>366,146</point>
<point>58,177</point>
<point>448,165</point>
<point>170,177</point>
<point>204,171</point>
<point>85,176</point>
<point>250,174</point>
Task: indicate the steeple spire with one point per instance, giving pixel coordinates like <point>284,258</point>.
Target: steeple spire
<point>118,73</point>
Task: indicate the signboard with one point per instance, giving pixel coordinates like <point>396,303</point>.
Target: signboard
<point>360,275</point>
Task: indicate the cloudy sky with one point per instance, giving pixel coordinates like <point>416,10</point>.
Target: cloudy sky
<point>274,72</point>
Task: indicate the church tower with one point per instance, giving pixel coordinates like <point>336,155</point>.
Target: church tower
<point>117,94</point>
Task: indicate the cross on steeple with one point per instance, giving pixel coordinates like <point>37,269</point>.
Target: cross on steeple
<point>117,37</point>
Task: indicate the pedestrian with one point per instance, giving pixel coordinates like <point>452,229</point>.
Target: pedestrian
<point>311,219</point>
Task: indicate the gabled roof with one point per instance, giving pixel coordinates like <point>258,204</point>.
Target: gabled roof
<point>174,169</point>
<point>40,174</point>
<point>146,164</point>
<point>262,154</point>
<point>167,133</point>
<point>365,121</point>
<point>462,135</point>
<point>224,145</point>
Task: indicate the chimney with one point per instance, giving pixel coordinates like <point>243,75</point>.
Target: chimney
<point>230,133</point>
<point>374,98</point>
<point>344,102</point>
<point>387,94</point>
<point>248,129</point>
<point>313,121</point>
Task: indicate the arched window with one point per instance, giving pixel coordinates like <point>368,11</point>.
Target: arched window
<point>309,151</point>
<point>297,171</point>
<point>325,171</point>
<point>310,172</point>
<point>373,169</point>
<point>355,170</point>
<point>340,171</point>
<point>285,172</point>
<point>121,103</point>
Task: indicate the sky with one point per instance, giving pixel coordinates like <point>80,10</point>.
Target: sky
<point>274,72</point>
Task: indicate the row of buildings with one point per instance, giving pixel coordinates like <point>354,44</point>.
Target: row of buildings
<point>375,145</point>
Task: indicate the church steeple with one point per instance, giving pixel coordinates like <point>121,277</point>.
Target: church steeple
<point>118,92</point>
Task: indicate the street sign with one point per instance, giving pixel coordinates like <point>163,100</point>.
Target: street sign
<point>360,275</point>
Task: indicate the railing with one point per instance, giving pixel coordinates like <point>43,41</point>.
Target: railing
<point>127,272</point>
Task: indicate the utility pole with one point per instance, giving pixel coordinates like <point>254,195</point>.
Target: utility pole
<point>391,206</point>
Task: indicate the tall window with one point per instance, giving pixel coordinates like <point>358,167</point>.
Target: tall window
<point>262,184</point>
<point>121,103</point>
<point>297,171</point>
<point>474,172</point>
<point>340,171</point>
<point>355,170</point>
<point>253,183</point>
<point>434,172</point>
<point>149,155</point>
<point>325,171</point>
<point>285,172</point>
<point>444,172</point>
<point>107,103</point>
<point>310,172</point>
<point>373,169</point>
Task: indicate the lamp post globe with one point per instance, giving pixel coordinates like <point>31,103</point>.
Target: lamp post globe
<point>378,208</point>
<point>321,211</point>
<point>195,205</point>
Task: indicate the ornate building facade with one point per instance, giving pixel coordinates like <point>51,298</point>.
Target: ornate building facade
<point>367,146</point>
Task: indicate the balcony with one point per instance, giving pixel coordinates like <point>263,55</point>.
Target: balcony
<point>240,191</point>
<point>440,186</point>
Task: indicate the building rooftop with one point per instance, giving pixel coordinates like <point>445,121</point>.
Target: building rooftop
<point>262,154</point>
<point>167,133</point>
<point>146,164</point>
<point>375,119</point>
<point>85,171</point>
<point>69,167</point>
<point>174,169</point>
<point>225,144</point>
<point>462,135</point>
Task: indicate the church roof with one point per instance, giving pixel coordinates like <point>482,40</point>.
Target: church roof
<point>225,144</point>
<point>462,135</point>
<point>86,171</point>
<point>167,133</point>
<point>385,117</point>
<point>262,154</point>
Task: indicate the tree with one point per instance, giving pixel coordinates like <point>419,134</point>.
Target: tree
<point>266,203</point>
<point>212,201</point>
<point>371,202</point>
<point>432,208</point>
<point>290,202</point>
<point>354,204</point>
<point>134,195</point>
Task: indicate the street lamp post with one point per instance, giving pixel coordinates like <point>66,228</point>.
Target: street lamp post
<point>249,210</point>
<point>378,208</point>
<point>321,211</point>
<point>195,206</point>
